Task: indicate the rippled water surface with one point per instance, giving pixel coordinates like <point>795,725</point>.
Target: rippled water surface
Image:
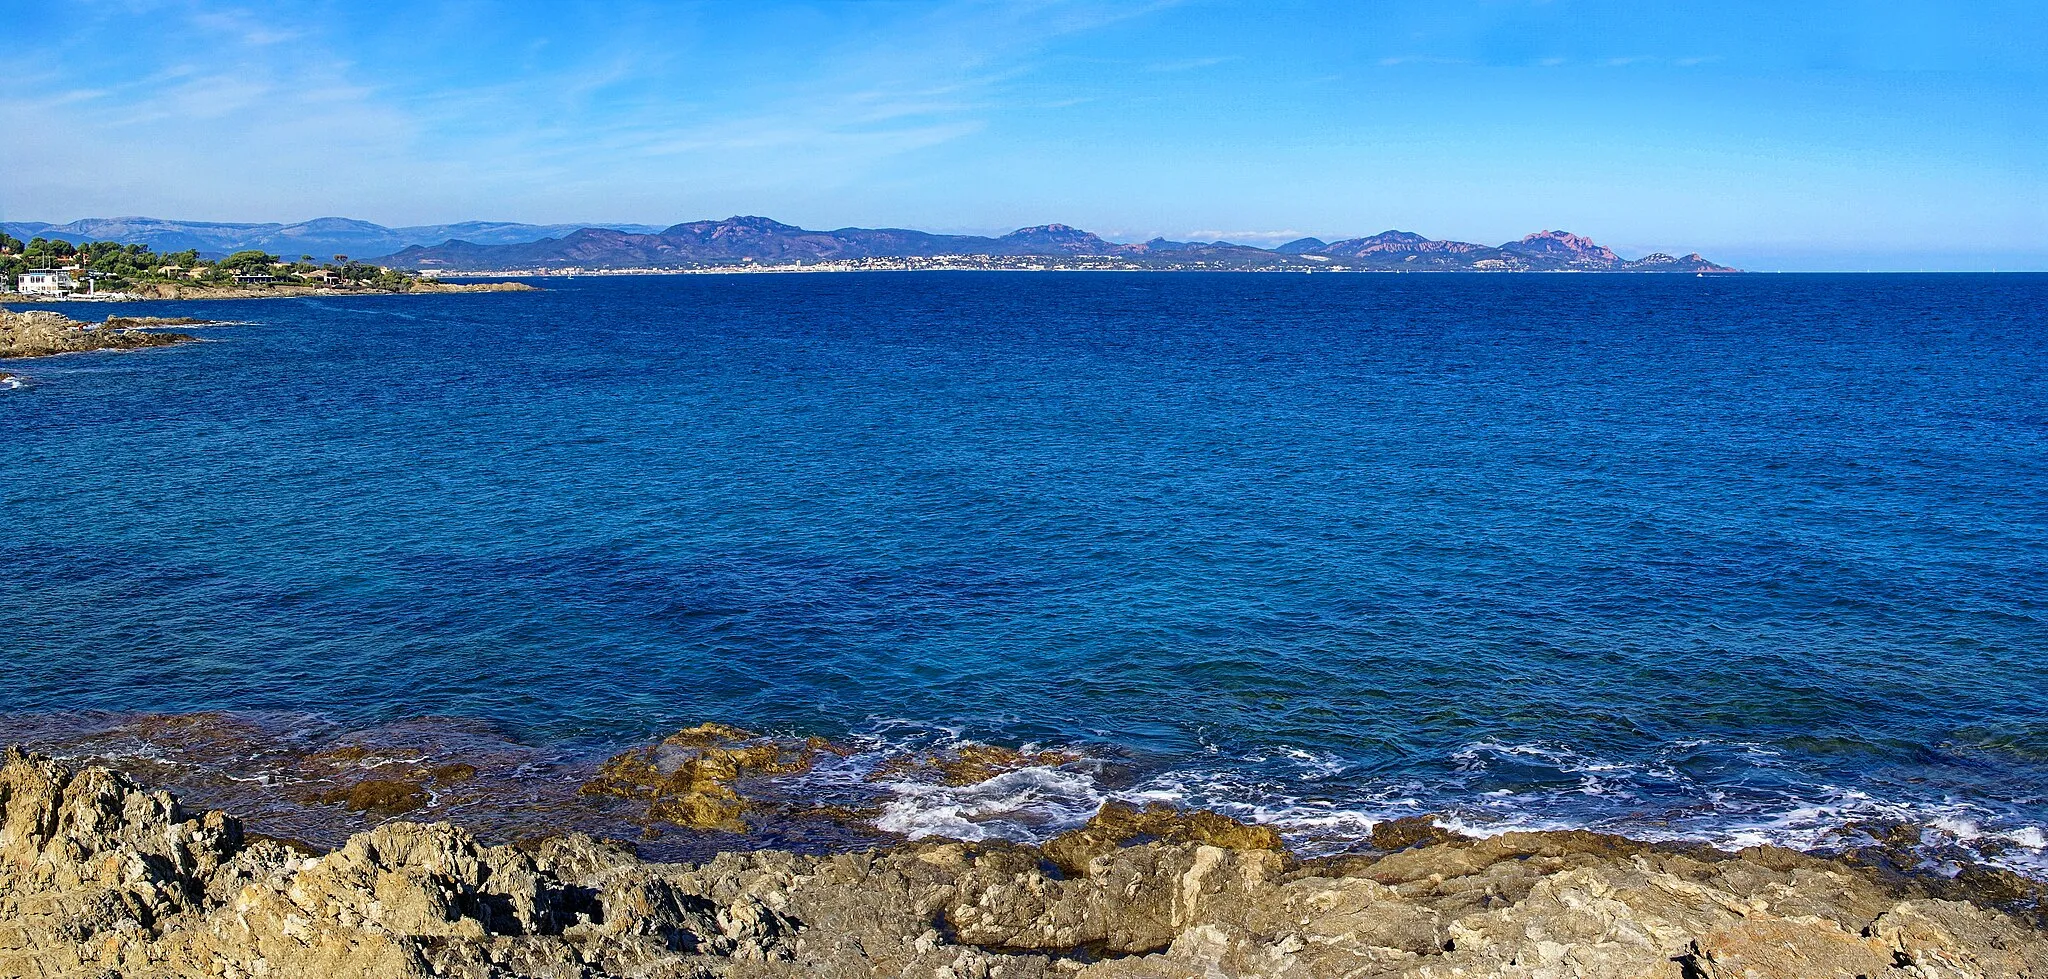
<point>1732,558</point>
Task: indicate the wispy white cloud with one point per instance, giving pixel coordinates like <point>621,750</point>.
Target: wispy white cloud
<point>316,116</point>
<point>1268,237</point>
<point>1191,64</point>
<point>245,26</point>
<point>1418,59</point>
<point>957,112</point>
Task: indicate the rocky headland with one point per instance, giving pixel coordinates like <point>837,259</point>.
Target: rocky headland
<point>101,877</point>
<point>39,333</point>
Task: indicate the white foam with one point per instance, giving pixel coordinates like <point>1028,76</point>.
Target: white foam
<point>1324,804</point>
<point>2031,837</point>
<point>1027,805</point>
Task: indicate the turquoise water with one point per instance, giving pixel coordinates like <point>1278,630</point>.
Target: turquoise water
<point>1729,558</point>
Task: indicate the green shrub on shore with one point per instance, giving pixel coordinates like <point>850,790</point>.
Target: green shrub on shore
<point>118,266</point>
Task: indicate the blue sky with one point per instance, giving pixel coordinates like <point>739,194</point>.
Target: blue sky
<point>1871,135</point>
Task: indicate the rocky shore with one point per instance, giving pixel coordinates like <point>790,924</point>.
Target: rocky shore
<point>182,290</point>
<point>39,333</point>
<point>101,877</point>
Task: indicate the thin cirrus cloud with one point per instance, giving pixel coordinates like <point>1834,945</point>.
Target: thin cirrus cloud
<point>301,107</point>
<point>1244,237</point>
<point>1191,64</point>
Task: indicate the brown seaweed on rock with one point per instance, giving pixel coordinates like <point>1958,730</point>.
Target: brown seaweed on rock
<point>301,777</point>
<point>690,778</point>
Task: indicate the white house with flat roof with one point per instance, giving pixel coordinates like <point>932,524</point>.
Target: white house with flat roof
<point>47,282</point>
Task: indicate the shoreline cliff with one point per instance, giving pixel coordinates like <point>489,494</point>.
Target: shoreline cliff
<point>100,877</point>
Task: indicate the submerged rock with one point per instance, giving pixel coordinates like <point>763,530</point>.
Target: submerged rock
<point>1409,831</point>
<point>101,877</point>
<point>967,764</point>
<point>378,795</point>
<point>369,782</point>
<point>689,779</point>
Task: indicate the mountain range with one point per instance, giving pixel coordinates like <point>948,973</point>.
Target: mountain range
<point>740,240</point>
<point>321,238</point>
<point>483,245</point>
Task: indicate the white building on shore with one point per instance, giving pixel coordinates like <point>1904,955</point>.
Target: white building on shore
<point>47,282</point>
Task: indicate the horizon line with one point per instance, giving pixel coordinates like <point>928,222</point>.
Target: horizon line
<point>1276,239</point>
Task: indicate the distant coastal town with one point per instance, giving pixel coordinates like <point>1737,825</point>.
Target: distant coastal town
<point>922,263</point>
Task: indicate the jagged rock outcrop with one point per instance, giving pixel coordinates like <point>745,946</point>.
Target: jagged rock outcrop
<point>40,333</point>
<point>100,878</point>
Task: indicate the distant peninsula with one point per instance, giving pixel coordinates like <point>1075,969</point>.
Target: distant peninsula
<point>756,242</point>
<point>48,269</point>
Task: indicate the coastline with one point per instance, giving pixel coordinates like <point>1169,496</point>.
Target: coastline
<point>103,875</point>
<point>151,291</point>
<point>42,333</point>
<point>37,333</point>
<point>695,791</point>
<point>546,570</point>
<point>1036,265</point>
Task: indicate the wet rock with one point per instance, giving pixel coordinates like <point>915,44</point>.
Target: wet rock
<point>378,795</point>
<point>690,778</point>
<point>967,764</point>
<point>1410,831</point>
<point>1119,825</point>
<point>379,781</point>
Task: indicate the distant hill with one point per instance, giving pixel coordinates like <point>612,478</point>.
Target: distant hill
<point>740,240</point>
<point>322,238</point>
<point>499,245</point>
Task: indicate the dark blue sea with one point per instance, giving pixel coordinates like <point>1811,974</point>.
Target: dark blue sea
<point>1735,558</point>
